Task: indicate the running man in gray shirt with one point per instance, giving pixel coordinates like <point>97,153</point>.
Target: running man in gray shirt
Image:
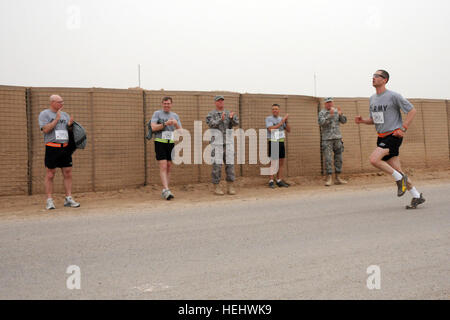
<point>385,107</point>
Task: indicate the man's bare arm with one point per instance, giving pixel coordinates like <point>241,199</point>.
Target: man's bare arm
<point>359,119</point>
<point>409,118</point>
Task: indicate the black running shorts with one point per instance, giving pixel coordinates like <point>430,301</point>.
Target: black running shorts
<point>281,151</point>
<point>392,143</point>
<point>58,157</point>
<point>163,150</point>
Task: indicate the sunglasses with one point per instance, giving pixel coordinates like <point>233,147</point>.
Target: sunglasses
<point>376,75</point>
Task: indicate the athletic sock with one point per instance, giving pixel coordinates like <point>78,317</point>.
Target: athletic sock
<point>414,192</point>
<point>278,180</point>
<point>271,180</point>
<point>397,175</point>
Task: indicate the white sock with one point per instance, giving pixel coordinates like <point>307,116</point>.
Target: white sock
<point>397,175</point>
<point>271,180</point>
<point>278,180</point>
<point>414,192</point>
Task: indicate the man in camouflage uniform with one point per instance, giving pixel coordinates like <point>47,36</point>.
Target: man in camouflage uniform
<point>329,120</point>
<point>221,119</point>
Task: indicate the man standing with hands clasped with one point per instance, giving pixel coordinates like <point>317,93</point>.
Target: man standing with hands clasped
<point>55,123</point>
<point>329,121</point>
<point>222,120</point>
<point>385,114</point>
<point>276,128</point>
<point>163,123</point>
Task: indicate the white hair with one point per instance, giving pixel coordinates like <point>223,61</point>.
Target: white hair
<point>54,97</point>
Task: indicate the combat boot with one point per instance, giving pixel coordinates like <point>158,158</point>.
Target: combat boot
<point>218,190</point>
<point>230,188</point>
<point>329,181</point>
<point>339,180</point>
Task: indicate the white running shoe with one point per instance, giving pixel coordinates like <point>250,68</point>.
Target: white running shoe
<point>69,202</point>
<point>166,194</point>
<point>50,204</point>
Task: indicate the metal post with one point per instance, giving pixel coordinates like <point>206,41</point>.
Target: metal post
<point>139,75</point>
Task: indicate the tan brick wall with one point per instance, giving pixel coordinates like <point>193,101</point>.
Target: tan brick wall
<point>118,156</point>
<point>435,125</point>
<point>118,138</point>
<point>448,124</point>
<point>13,141</point>
<point>303,143</point>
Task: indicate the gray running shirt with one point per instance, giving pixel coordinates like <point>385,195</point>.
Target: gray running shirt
<point>272,121</point>
<point>158,117</point>
<point>385,110</point>
<point>59,134</point>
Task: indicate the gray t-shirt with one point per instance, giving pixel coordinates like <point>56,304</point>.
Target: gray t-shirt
<point>385,110</point>
<point>59,134</point>
<point>167,132</point>
<point>273,121</point>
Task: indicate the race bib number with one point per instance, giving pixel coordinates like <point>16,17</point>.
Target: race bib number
<point>378,117</point>
<point>277,135</point>
<point>168,135</point>
<point>61,135</point>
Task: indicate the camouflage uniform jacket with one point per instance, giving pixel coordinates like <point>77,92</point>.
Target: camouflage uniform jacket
<point>330,124</point>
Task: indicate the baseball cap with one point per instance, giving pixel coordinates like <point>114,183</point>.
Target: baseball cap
<point>329,99</point>
<point>217,98</point>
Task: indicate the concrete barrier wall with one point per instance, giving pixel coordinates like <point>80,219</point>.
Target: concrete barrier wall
<point>118,156</point>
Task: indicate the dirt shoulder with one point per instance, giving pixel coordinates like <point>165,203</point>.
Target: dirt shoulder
<point>249,189</point>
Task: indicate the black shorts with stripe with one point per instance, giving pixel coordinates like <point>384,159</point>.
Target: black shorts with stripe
<point>281,150</point>
<point>392,143</point>
<point>58,157</point>
<point>164,150</point>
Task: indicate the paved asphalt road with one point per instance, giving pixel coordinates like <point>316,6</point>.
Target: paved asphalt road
<point>316,247</point>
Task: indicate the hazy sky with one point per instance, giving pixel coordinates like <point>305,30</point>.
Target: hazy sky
<point>235,45</point>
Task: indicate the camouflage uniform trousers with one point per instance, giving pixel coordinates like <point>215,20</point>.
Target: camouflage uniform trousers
<point>217,167</point>
<point>328,147</point>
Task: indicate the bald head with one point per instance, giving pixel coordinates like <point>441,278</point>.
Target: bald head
<point>55,97</point>
<point>56,102</point>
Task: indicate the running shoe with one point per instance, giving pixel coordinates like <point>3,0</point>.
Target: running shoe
<point>69,202</point>
<point>415,202</point>
<point>282,184</point>
<point>166,194</point>
<point>271,184</point>
<point>50,204</point>
<point>401,185</point>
